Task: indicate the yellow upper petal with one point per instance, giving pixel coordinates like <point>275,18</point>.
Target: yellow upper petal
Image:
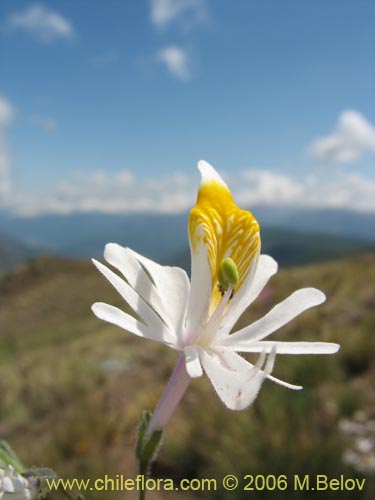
<point>224,229</point>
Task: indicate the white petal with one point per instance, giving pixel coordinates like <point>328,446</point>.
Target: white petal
<point>287,347</point>
<point>208,173</point>
<point>164,288</point>
<point>237,389</point>
<point>119,318</point>
<point>172,285</point>
<point>284,384</point>
<point>233,361</point>
<point>279,316</point>
<point>200,290</point>
<point>250,290</point>
<point>133,272</point>
<point>193,364</point>
<point>7,485</point>
<point>138,305</point>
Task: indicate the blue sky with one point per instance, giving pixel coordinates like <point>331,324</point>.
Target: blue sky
<point>109,105</point>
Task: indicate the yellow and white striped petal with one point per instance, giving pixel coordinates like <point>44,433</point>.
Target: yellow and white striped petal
<point>218,229</point>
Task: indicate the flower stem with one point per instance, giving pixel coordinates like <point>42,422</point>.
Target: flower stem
<point>151,428</point>
<point>67,494</point>
<point>142,494</point>
<point>177,385</point>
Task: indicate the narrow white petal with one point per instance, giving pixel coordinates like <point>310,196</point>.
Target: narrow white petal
<point>233,361</point>
<point>270,361</point>
<point>123,260</point>
<point>250,290</point>
<point>193,364</point>
<point>237,389</point>
<point>172,285</point>
<point>200,290</point>
<point>168,298</point>
<point>237,363</point>
<point>279,316</point>
<point>283,383</point>
<point>119,318</point>
<point>286,347</point>
<point>138,305</point>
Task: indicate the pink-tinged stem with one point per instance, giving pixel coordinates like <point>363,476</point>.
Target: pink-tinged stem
<point>176,387</point>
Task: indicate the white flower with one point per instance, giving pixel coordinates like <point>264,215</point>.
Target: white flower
<point>197,318</point>
<point>13,486</point>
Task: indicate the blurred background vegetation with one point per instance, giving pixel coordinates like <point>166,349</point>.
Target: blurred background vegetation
<point>72,387</point>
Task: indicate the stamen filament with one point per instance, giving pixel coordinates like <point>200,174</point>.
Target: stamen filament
<point>214,322</point>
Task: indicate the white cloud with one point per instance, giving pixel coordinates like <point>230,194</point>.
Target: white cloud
<point>6,113</point>
<point>109,192</point>
<point>337,190</point>
<point>163,12</point>
<point>46,122</point>
<point>353,136</point>
<point>266,187</point>
<point>6,116</point>
<point>176,61</point>
<point>124,192</point>
<point>43,24</point>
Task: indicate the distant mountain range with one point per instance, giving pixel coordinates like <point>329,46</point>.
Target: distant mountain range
<point>293,248</point>
<point>297,236</point>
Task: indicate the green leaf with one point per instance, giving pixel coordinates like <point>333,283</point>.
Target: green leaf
<point>145,420</point>
<point>8,457</point>
<point>147,445</point>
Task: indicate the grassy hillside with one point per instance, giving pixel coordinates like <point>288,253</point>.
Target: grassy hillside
<point>72,387</point>
<point>13,252</point>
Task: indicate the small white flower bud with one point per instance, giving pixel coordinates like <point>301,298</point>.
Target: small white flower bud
<point>13,486</point>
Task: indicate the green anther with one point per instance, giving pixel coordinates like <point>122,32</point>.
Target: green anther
<point>228,274</point>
